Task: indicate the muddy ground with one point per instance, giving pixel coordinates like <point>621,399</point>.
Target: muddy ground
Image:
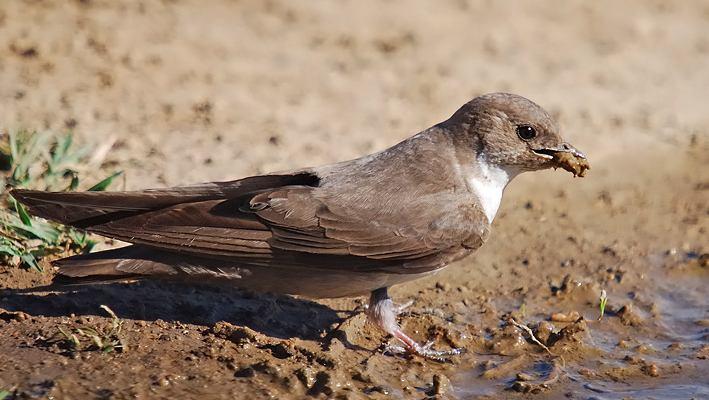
<point>178,92</point>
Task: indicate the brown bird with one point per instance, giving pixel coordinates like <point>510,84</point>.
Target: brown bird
<point>346,229</point>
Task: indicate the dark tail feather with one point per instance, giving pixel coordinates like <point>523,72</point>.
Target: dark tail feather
<point>122,263</point>
<point>84,209</point>
<point>62,281</point>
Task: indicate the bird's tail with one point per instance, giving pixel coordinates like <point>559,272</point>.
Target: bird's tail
<point>85,209</point>
<point>122,263</point>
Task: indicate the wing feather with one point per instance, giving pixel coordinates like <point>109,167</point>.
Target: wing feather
<point>282,219</point>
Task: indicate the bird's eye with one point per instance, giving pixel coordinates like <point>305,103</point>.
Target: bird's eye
<point>526,132</point>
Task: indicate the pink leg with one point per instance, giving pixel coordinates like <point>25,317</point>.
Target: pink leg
<point>381,312</point>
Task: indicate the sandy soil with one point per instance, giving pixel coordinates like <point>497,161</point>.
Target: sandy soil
<point>179,92</point>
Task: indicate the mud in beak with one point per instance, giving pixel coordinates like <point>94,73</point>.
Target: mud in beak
<point>567,157</point>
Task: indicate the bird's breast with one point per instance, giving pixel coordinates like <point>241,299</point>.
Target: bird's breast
<point>488,182</point>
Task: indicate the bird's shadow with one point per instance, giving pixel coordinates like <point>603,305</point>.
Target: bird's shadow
<point>273,315</point>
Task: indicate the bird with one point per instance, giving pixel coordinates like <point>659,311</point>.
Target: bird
<point>352,228</point>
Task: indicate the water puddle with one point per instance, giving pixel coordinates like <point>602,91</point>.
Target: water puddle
<point>654,348</point>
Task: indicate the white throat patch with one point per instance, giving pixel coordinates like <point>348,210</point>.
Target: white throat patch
<point>488,183</point>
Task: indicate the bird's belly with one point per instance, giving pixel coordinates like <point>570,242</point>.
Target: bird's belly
<point>319,283</point>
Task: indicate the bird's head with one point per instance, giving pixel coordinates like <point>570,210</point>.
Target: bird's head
<point>515,133</point>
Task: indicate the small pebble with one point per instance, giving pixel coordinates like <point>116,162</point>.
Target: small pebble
<point>561,317</point>
<point>651,370</point>
<point>522,376</point>
<point>441,385</point>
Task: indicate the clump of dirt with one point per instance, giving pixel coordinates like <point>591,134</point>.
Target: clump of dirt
<point>575,164</point>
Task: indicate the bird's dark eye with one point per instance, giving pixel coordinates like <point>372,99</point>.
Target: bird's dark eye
<point>526,132</point>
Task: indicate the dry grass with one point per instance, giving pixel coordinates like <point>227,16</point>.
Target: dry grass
<point>104,338</point>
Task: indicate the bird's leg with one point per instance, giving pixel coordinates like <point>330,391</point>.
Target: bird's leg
<point>382,313</point>
<point>399,308</point>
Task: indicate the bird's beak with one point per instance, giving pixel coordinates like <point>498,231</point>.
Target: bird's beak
<point>562,148</point>
<point>567,157</point>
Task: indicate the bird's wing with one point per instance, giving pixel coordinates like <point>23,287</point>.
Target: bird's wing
<point>280,221</point>
<point>302,221</point>
<point>85,209</point>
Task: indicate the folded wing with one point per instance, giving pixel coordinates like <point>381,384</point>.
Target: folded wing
<point>259,221</point>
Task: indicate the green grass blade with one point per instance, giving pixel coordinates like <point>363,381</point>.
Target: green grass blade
<point>38,160</point>
<point>14,148</point>
<point>22,212</point>
<point>28,148</point>
<point>61,149</point>
<point>74,183</point>
<point>9,251</point>
<point>39,230</point>
<point>29,260</point>
<point>101,186</point>
<point>77,237</point>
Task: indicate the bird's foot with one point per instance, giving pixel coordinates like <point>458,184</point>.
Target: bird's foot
<point>426,351</point>
<point>382,313</point>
